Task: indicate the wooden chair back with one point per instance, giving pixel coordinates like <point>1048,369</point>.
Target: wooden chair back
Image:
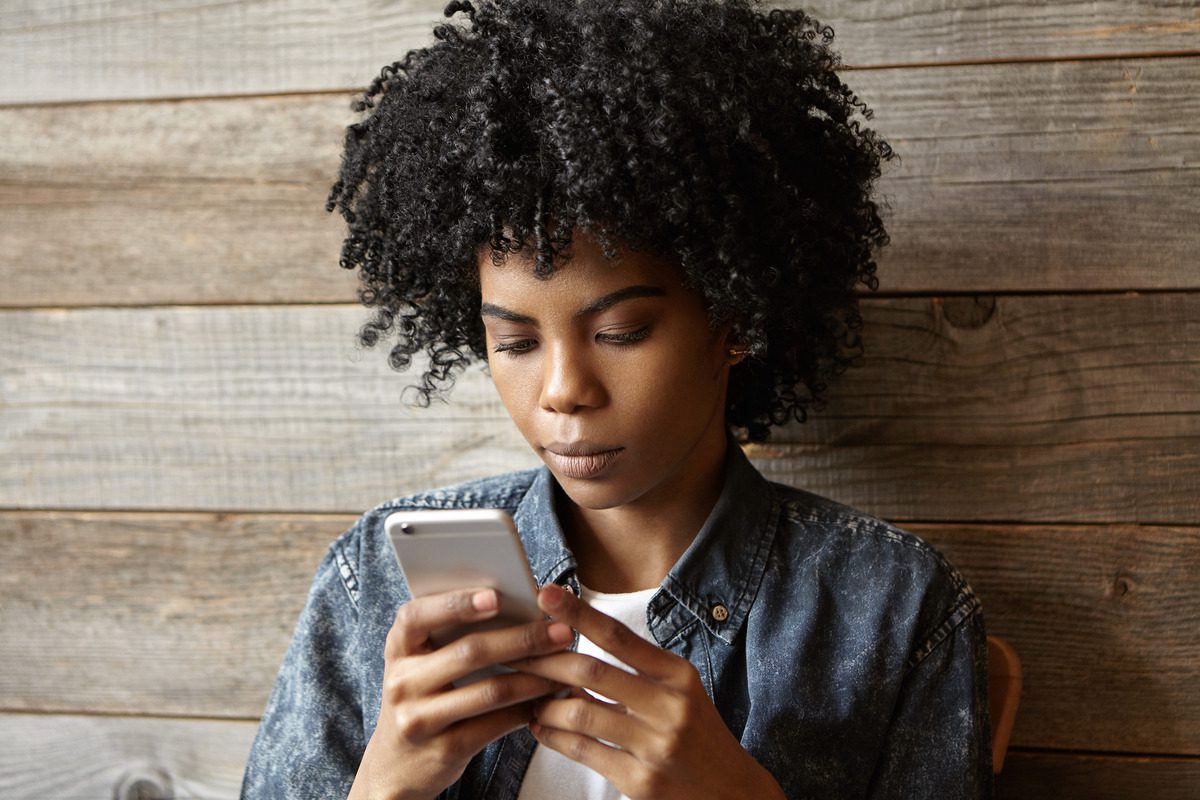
<point>1004,693</point>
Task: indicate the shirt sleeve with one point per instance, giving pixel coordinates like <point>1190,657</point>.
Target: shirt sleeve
<point>311,740</point>
<point>939,740</point>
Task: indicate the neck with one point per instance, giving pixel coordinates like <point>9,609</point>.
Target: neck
<point>634,546</point>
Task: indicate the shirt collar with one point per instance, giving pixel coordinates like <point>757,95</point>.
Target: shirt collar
<point>713,582</point>
<point>717,577</point>
<point>541,534</point>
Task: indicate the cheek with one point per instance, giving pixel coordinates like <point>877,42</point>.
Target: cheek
<point>700,362</point>
<point>678,385</point>
<point>512,385</point>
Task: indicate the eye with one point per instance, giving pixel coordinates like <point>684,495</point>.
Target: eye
<point>515,348</point>
<point>624,337</point>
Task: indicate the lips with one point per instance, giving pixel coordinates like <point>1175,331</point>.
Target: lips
<point>581,460</point>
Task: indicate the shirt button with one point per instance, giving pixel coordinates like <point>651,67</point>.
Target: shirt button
<point>720,613</point>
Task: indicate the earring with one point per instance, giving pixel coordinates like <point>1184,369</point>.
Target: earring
<point>738,352</point>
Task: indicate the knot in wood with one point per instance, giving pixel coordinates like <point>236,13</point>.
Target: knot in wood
<point>1123,587</point>
<point>968,312</point>
<point>144,784</point>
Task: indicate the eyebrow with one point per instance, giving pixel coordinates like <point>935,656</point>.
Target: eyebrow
<point>595,307</point>
<point>621,295</point>
<point>492,310</point>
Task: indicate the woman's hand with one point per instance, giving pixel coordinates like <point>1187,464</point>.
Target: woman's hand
<point>428,730</point>
<point>671,738</point>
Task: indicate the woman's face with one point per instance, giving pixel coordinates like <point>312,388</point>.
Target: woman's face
<point>610,371</point>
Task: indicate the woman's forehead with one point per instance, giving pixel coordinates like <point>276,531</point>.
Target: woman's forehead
<point>584,270</point>
<point>585,275</point>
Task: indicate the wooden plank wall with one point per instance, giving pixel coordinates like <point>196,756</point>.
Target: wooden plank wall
<point>185,422</point>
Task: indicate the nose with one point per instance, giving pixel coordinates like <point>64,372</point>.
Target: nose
<point>570,382</point>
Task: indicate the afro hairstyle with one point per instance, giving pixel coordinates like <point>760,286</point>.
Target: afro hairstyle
<point>708,132</point>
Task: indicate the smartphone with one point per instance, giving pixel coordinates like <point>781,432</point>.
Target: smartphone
<point>442,550</point>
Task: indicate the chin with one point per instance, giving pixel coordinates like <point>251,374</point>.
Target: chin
<point>595,494</point>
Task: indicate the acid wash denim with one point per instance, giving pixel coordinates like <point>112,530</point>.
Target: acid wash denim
<point>851,662</point>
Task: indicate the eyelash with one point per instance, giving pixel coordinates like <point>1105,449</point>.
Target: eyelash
<point>520,348</point>
<point>514,348</point>
<point>628,337</point>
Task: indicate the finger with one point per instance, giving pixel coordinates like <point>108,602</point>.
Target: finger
<point>416,618</point>
<point>610,762</point>
<point>607,633</point>
<point>479,731</point>
<point>576,670</point>
<point>475,651</point>
<point>423,717</point>
<point>596,719</point>
<point>584,694</point>
<point>472,735</point>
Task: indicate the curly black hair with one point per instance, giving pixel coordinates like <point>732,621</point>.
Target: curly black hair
<point>705,131</point>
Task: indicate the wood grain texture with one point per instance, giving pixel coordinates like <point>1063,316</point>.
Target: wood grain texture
<point>196,202</point>
<point>137,48</point>
<point>1057,776</point>
<point>190,614</point>
<point>1011,408</point>
<point>1083,408</point>
<point>1104,619</point>
<point>1088,181</point>
<point>59,757</point>
<point>225,409</point>
<point>929,32</point>
<point>160,614</point>
<point>1064,176</point>
<point>149,48</point>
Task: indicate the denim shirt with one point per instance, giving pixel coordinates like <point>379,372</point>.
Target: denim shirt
<point>847,655</point>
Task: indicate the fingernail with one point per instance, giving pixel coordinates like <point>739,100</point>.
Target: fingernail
<point>554,594</point>
<point>560,633</point>
<point>485,600</point>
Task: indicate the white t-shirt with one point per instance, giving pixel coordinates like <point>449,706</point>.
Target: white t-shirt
<point>553,776</point>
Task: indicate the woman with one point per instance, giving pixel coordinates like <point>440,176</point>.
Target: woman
<point>649,218</point>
